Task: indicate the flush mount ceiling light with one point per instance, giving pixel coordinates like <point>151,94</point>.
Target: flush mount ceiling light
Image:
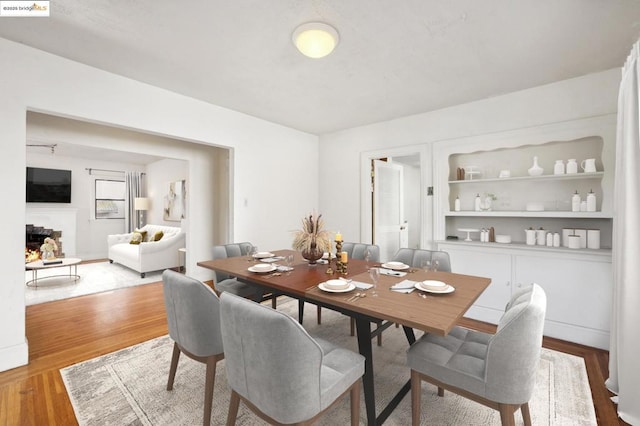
<point>315,39</point>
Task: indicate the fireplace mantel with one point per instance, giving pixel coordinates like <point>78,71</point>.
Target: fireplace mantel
<point>62,219</point>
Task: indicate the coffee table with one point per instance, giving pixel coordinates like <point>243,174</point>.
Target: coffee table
<point>38,265</point>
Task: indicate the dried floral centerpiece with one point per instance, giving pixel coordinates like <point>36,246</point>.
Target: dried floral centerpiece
<point>312,240</point>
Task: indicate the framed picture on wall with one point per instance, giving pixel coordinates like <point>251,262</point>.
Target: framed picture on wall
<point>175,202</point>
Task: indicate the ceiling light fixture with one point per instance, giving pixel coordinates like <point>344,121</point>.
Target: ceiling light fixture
<point>315,39</point>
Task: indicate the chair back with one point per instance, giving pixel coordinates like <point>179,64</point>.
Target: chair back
<point>358,250</point>
<point>271,360</point>
<point>193,314</point>
<point>415,257</point>
<point>229,250</point>
<point>513,352</point>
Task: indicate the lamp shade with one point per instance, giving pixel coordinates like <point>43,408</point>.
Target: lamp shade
<point>315,39</point>
<point>141,203</point>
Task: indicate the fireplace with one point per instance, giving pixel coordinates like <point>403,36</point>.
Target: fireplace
<point>34,238</point>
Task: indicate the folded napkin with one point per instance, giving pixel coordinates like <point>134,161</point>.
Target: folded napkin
<point>392,273</point>
<point>271,259</point>
<point>282,268</point>
<point>405,286</point>
<point>361,285</point>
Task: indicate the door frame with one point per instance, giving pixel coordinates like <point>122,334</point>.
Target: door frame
<point>426,180</point>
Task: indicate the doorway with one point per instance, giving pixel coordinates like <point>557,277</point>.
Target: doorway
<point>394,200</point>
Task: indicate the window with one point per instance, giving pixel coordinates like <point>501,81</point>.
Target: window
<point>109,199</point>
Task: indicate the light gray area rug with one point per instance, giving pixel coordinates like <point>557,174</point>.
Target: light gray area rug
<point>128,387</point>
<point>96,277</point>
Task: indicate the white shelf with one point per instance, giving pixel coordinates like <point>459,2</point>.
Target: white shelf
<point>606,252</point>
<point>502,213</point>
<point>531,178</point>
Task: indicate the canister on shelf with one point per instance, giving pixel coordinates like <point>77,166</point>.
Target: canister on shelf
<point>558,168</point>
<point>556,240</point>
<point>477,203</point>
<point>593,239</point>
<point>541,236</point>
<point>575,202</point>
<point>591,201</point>
<point>582,233</point>
<point>549,239</point>
<point>456,204</point>
<point>565,236</point>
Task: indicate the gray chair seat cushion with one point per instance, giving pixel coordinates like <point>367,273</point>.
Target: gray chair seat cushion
<point>340,368</point>
<point>242,289</point>
<point>458,359</point>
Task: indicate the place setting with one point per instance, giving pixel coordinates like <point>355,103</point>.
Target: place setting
<point>394,269</point>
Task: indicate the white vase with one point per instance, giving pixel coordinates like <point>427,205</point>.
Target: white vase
<point>535,170</point>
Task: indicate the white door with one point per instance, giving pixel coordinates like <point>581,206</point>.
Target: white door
<point>388,214</point>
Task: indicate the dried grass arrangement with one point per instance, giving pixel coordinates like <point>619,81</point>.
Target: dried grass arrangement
<point>312,235</point>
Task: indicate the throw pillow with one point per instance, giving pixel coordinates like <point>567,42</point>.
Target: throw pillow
<point>157,236</point>
<point>138,236</point>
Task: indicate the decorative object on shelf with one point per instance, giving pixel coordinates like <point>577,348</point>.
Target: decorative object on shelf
<point>583,205</point>
<point>48,249</point>
<point>470,171</point>
<point>504,173</point>
<point>591,201</point>
<point>582,233</point>
<point>575,202</point>
<point>468,231</point>
<point>556,239</point>
<point>541,236</point>
<point>485,204</point>
<point>574,242</point>
<point>593,239</point>
<point>484,235</point>
<point>565,236</point>
<point>460,173</point>
<point>477,203</point>
<point>530,236</point>
<point>534,206</point>
<point>312,240</point>
<point>456,204</point>
<point>535,169</point>
<point>503,239</point>
<point>558,168</point>
<point>588,165</point>
<point>549,239</point>
<point>492,235</point>
<point>572,166</point>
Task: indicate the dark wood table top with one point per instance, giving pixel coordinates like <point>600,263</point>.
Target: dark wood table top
<point>437,313</point>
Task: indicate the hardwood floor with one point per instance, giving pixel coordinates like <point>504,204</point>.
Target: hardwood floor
<point>68,331</point>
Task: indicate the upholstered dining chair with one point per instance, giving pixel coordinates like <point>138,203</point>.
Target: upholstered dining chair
<point>193,317</point>
<point>496,370</point>
<point>225,282</point>
<point>278,370</point>
<point>416,257</point>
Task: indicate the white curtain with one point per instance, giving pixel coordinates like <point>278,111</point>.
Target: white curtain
<point>624,364</point>
<point>133,189</point>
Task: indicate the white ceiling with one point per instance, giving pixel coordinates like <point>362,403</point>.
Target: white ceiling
<point>395,58</point>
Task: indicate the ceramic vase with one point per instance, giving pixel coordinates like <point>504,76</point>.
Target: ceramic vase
<point>535,169</point>
<point>313,254</point>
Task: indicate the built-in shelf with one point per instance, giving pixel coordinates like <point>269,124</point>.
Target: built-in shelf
<point>606,252</point>
<point>531,178</point>
<point>554,213</point>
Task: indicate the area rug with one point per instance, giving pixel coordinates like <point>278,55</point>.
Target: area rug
<point>128,387</point>
<point>95,277</point>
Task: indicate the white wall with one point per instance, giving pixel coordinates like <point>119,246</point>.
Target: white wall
<point>37,81</point>
<point>587,96</point>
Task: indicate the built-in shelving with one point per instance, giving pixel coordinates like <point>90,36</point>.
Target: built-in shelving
<point>595,175</point>
<point>543,214</point>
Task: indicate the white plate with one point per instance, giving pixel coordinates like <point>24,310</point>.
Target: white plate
<point>271,268</point>
<point>330,290</point>
<point>336,284</point>
<point>395,265</point>
<point>448,289</point>
<point>262,254</point>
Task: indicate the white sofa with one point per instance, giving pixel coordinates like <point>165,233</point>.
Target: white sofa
<point>149,255</point>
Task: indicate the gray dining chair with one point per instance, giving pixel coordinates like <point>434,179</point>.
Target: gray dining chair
<point>193,318</point>
<point>278,370</point>
<point>497,370</point>
<point>225,282</point>
<point>416,257</point>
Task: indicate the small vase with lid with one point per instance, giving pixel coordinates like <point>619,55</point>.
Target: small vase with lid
<point>558,168</point>
<point>572,166</point>
<point>535,170</point>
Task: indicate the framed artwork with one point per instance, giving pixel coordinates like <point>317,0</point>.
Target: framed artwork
<point>175,202</point>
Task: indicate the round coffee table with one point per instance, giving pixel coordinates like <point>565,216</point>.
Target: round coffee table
<point>38,265</point>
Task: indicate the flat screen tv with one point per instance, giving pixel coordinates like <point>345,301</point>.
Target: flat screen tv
<point>48,185</point>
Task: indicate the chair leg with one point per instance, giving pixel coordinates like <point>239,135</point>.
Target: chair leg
<point>353,327</point>
<point>319,315</point>
<point>507,414</point>
<point>209,383</point>
<point>355,404</point>
<point>526,414</point>
<point>416,389</point>
<point>174,366</point>
<point>234,404</point>
<point>274,301</point>
<point>440,392</point>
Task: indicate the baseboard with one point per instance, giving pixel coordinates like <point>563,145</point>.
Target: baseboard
<point>14,356</point>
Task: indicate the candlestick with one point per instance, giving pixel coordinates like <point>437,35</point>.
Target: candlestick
<point>338,237</point>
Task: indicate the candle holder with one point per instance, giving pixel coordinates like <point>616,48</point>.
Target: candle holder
<point>338,259</point>
<point>343,268</point>
<point>329,270</point>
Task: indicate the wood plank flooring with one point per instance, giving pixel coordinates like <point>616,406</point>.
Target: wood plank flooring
<point>68,331</point>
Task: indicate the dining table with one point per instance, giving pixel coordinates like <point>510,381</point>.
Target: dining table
<point>417,309</point>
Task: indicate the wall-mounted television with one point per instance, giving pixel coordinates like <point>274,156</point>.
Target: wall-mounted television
<point>48,185</point>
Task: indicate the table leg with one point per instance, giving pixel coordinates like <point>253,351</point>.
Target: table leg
<point>363,329</point>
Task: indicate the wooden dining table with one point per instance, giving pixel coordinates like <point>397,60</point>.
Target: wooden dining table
<point>428,312</point>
